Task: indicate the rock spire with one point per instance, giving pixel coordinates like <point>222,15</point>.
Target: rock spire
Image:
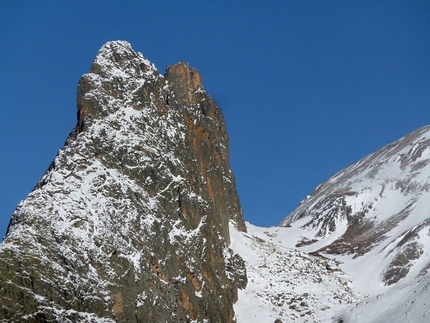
<point>130,223</point>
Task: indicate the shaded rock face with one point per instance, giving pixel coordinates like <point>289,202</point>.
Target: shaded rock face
<point>130,222</point>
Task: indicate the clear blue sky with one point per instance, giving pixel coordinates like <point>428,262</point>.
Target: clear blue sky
<point>307,87</point>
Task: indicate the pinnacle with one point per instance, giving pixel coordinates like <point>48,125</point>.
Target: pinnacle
<point>185,81</point>
<point>118,58</point>
<point>135,209</point>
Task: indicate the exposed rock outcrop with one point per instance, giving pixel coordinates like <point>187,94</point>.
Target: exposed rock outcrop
<point>131,221</point>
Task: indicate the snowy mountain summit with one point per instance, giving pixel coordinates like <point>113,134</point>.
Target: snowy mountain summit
<point>130,223</point>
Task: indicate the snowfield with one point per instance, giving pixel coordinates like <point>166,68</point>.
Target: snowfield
<point>290,285</point>
<point>286,284</point>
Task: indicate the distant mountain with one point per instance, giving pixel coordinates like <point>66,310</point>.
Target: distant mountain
<point>373,217</point>
<point>130,223</point>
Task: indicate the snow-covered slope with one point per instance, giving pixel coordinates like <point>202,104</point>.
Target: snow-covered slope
<point>374,218</point>
<point>289,285</point>
<point>285,284</point>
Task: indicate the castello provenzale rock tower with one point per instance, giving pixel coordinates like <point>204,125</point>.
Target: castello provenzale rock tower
<point>130,223</point>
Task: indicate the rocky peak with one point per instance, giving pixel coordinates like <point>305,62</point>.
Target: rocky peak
<point>118,59</point>
<point>131,220</point>
<point>184,81</point>
<point>118,77</point>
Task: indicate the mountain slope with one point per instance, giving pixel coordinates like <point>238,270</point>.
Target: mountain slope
<point>130,222</point>
<point>356,250</point>
<point>374,218</point>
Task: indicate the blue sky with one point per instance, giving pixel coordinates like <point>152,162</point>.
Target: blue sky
<point>306,87</point>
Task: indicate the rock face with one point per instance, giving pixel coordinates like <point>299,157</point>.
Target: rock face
<point>131,221</point>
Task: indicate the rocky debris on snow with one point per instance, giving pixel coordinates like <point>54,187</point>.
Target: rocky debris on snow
<point>286,284</point>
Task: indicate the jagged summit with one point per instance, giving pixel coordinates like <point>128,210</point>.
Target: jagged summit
<point>131,220</point>
<point>118,59</point>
